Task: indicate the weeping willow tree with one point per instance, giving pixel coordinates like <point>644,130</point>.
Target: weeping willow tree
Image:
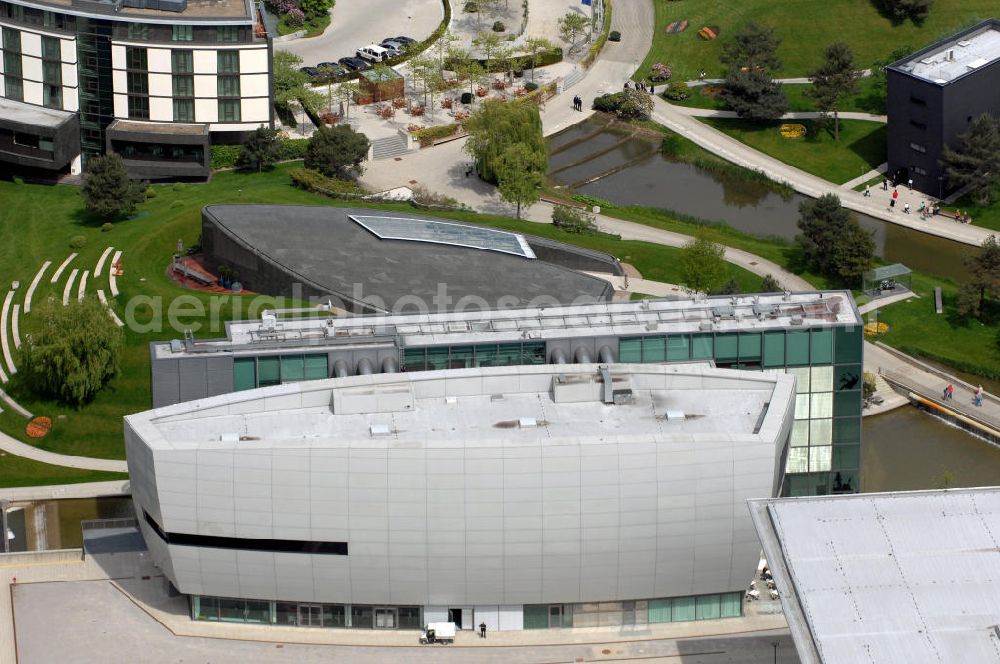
<point>74,352</point>
<point>498,125</point>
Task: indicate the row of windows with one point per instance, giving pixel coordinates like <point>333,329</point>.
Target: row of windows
<point>223,609</point>
<point>462,357</point>
<point>612,614</point>
<point>223,33</point>
<point>182,61</point>
<point>916,147</point>
<point>51,46</point>
<point>182,85</point>
<point>251,372</point>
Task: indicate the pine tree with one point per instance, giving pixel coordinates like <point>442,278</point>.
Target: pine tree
<point>335,151</point>
<point>260,149</point>
<point>832,242</point>
<point>834,79</point>
<point>975,161</point>
<point>107,190</point>
<point>754,95</point>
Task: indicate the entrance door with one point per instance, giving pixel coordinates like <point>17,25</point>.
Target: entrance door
<point>455,616</point>
<point>555,615</point>
<point>385,618</point>
<point>310,615</point>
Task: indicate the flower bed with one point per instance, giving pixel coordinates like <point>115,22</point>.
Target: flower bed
<point>874,329</point>
<point>660,72</point>
<point>792,130</point>
<point>709,32</point>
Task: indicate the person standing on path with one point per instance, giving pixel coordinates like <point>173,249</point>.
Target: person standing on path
<point>909,183</point>
<point>652,89</point>
<point>885,184</point>
<point>482,630</point>
<point>868,191</point>
<point>977,398</point>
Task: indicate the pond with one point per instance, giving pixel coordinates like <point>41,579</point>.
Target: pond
<point>618,164</point>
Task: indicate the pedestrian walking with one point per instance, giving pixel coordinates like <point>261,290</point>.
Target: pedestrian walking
<point>892,204</point>
<point>482,630</point>
<point>951,392</point>
<point>701,76</point>
<point>652,89</point>
<point>906,208</point>
<point>977,397</point>
<point>885,184</point>
<point>944,393</point>
<point>895,193</point>
<point>626,85</point>
<point>909,183</point>
<point>868,191</point>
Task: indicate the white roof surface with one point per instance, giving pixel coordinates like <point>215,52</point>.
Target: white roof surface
<point>455,408</point>
<point>31,114</point>
<point>956,57</point>
<point>894,577</point>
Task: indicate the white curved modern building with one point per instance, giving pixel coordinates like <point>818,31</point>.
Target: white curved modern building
<point>520,496</point>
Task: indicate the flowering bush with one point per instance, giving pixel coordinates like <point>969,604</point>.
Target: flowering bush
<point>499,84</point>
<point>660,72</point>
<point>399,102</point>
<point>461,115</point>
<point>295,17</point>
<point>417,110</point>
<point>414,127</point>
<point>447,102</point>
<point>481,91</point>
<point>385,111</point>
<point>520,92</point>
<point>329,118</point>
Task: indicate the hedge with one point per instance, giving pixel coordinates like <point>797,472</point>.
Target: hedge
<point>318,183</point>
<point>599,44</point>
<point>547,57</point>
<point>426,137</point>
<point>289,149</point>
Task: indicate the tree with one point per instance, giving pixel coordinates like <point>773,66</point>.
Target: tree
<point>426,70</point>
<point>628,104</point>
<point>754,95</point>
<point>260,149</point>
<point>442,48</point>
<point>315,7</point>
<point>570,26</point>
<point>107,190</point>
<point>75,351</point>
<point>770,285</point>
<point>535,46</point>
<point>702,264</point>
<point>347,92</point>
<point>467,68</point>
<point>754,47</point>
<point>498,125</point>
<point>975,161</point>
<point>489,44</point>
<point>900,10</point>
<point>832,242</point>
<point>574,220</point>
<point>335,151</point>
<point>290,84</point>
<point>875,101</point>
<point>519,175</point>
<point>983,280</point>
<point>834,79</point>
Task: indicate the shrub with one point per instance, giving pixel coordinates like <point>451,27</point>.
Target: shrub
<point>660,72</point>
<point>179,186</point>
<point>531,86</point>
<point>77,241</point>
<point>471,7</point>
<point>677,91</point>
<point>615,36</point>
<point>107,227</point>
<point>318,183</point>
<point>425,198</point>
<point>628,105</point>
<point>426,137</point>
<point>573,220</point>
<point>292,148</point>
<point>150,192</point>
<point>333,150</point>
<point>498,26</point>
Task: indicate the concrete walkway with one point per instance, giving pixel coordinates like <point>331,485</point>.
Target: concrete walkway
<point>794,115</point>
<point>60,491</point>
<point>16,447</point>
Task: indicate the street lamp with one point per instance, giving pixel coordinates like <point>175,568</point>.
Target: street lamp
<point>774,644</point>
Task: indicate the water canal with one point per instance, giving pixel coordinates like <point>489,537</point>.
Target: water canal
<point>618,164</point>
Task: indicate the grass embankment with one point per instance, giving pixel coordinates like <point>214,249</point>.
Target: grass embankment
<point>17,471</point>
<point>805,27</point>
<point>866,101</point>
<point>861,147</point>
<point>38,222</point>
<point>960,342</point>
<point>987,216</point>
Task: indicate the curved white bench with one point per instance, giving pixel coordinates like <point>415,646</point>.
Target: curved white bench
<point>111,312</point>
<point>4,343</point>
<point>69,286</point>
<point>59,271</point>
<point>15,406</point>
<point>112,279</point>
<point>14,325</point>
<point>34,285</point>
<point>81,290</point>
<point>100,261</point>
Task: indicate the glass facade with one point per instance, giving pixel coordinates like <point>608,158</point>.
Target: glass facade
<point>302,614</point>
<point>251,372</point>
<point>825,442</point>
<point>97,108</point>
<point>614,614</point>
<point>483,355</point>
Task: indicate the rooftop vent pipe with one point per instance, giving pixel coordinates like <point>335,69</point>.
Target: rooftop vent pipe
<point>608,395</point>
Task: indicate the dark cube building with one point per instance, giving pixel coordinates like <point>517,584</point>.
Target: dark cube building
<point>934,95</point>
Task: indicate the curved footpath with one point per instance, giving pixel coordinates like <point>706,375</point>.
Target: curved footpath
<point>17,448</point>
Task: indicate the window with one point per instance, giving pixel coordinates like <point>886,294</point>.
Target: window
<point>138,31</point>
<point>919,171</point>
<point>916,147</point>
<point>183,86</point>
<point>229,86</point>
<point>52,96</point>
<point>53,20</point>
<point>184,112</point>
<point>13,88</point>
<point>677,347</point>
<point>182,62</point>
<point>774,349</point>
<point>228,62</point>
<point>52,73</point>
<point>702,347</point>
<point>227,33</point>
<point>750,347</point>
<point>630,350</point>
<point>822,346</point>
<point>51,48</point>
<point>183,33</point>
<point>726,348</point>
<point>138,83</point>
<point>135,58</point>
<point>848,341</point>
<point>11,40</point>
<point>654,349</point>
<point>138,108</point>
<point>919,125</point>
<point>917,100</point>
<point>268,371</point>
<point>11,64</point>
<point>229,110</point>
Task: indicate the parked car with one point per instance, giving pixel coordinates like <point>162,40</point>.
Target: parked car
<point>394,47</point>
<point>354,64</point>
<point>404,40</point>
<point>331,69</point>
<point>311,72</point>
<point>373,53</point>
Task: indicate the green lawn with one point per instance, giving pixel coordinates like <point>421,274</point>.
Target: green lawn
<point>18,471</point>
<point>862,145</point>
<point>806,27</point>
<point>963,343</point>
<point>863,102</point>
<point>148,240</point>
<point>986,216</point>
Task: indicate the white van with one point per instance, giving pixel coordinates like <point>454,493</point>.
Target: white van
<point>373,53</point>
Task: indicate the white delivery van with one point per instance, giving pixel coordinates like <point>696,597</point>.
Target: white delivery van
<point>373,53</point>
